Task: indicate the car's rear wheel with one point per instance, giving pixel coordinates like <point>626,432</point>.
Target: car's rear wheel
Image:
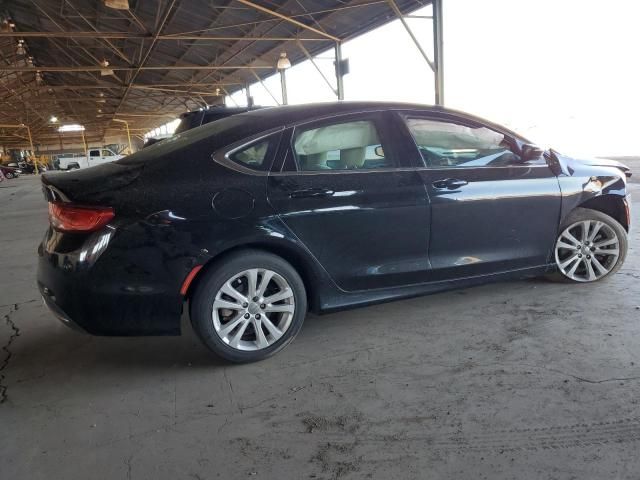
<point>248,306</point>
<point>8,175</point>
<point>590,247</point>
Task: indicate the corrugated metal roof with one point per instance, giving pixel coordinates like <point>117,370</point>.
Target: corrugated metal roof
<point>182,39</point>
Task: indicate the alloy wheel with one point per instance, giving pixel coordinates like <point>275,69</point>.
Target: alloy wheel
<point>253,309</point>
<point>587,250</point>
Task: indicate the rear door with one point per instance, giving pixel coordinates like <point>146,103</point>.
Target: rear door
<point>344,190</point>
<point>490,210</point>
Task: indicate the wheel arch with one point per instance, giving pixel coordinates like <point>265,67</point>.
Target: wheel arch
<point>293,254</point>
<point>613,205</point>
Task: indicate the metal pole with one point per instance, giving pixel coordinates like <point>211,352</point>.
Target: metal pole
<point>283,84</point>
<point>33,152</point>
<point>438,46</point>
<point>129,137</point>
<point>339,72</point>
<point>249,98</point>
<point>86,149</point>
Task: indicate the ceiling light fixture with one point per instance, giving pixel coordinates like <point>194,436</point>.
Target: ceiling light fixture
<point>7,26</point>
<point>21,50</point>
<point>53,119</point>
<point>105,71</point>
<point>74,127</point>
<point>117,4</point>
<point>283,62</point>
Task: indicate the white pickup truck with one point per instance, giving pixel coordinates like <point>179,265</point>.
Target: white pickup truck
<point>96,156</point>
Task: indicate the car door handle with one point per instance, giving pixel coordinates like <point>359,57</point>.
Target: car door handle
<point>311,192</point>
<point>449,183</point>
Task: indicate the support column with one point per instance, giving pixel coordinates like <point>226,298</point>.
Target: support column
<point>339,71</point>
<point>438,49</point>
<point>249,97</point>
<point>283,84</point>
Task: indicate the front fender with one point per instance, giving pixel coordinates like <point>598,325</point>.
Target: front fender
<point>592,186</point>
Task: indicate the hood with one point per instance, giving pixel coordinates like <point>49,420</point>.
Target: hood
<point>570,163</point>
<point>605,162</point>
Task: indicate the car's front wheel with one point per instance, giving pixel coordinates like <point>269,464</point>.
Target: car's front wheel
<point>590,247</point>
<point>248,306</point>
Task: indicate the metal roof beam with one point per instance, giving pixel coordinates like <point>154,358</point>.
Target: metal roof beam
<point>288,19</point>
<point>97,68</point>
<point>139,36</point>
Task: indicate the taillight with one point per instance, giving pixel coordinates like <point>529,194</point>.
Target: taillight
<point>76,218</point>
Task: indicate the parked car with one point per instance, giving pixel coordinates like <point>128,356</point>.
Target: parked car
<point>27,167</point>
<point>10,172</point>
<point>198,118</point>
<point>96,156</point>
<point>258,217</point>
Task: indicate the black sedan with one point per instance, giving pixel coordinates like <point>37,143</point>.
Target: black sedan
<point>256,218</point>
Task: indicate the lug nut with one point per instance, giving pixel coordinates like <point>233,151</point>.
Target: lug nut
<point>588,257</point>
<point>246,315</point>
<point>257,316</point>
<point>255,299</point>
<point>263,306</point>
<point>245,305</point>
<point>579,255</point>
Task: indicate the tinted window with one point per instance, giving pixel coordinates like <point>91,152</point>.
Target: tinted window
<point>445,144</point>
<point>94,153</point>
<point>253,156</point>
<point>340,146</point>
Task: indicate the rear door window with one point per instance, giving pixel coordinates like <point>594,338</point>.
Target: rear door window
<point>340,145</point>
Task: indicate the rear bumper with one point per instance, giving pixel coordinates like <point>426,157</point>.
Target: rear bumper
<point>106,294</point>
<point>50,303</point>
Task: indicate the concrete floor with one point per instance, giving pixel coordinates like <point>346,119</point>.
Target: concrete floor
<point>515,380</point>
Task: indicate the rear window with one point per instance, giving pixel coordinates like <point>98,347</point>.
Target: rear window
<point>222,133</point>
<point>253,156</point>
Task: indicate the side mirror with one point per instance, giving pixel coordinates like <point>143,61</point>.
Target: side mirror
<point>379,151</point>
<point>530,152</point>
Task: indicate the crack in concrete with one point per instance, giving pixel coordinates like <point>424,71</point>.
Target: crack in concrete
<point>232,398</point>
<point>18,304</point>
<point>7,349</point>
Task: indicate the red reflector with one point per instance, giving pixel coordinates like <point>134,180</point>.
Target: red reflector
<point>74,218</point>
<point>187,281</point>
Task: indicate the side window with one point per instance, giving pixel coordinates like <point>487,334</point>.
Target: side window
<point>107,153</point>
<point>340,146</point>
<point>94,153</point>
<point>253,156</point>
<point>445,144</point>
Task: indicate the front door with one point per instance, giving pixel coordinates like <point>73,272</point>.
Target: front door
<point>490,210</point>
<point>348,199</point>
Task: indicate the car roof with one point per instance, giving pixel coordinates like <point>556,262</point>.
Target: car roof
<point>272,117</point>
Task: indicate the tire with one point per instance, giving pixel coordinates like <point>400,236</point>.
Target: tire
<point>592,252</point>
<point>9,175</point>
<point>225,285</point>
